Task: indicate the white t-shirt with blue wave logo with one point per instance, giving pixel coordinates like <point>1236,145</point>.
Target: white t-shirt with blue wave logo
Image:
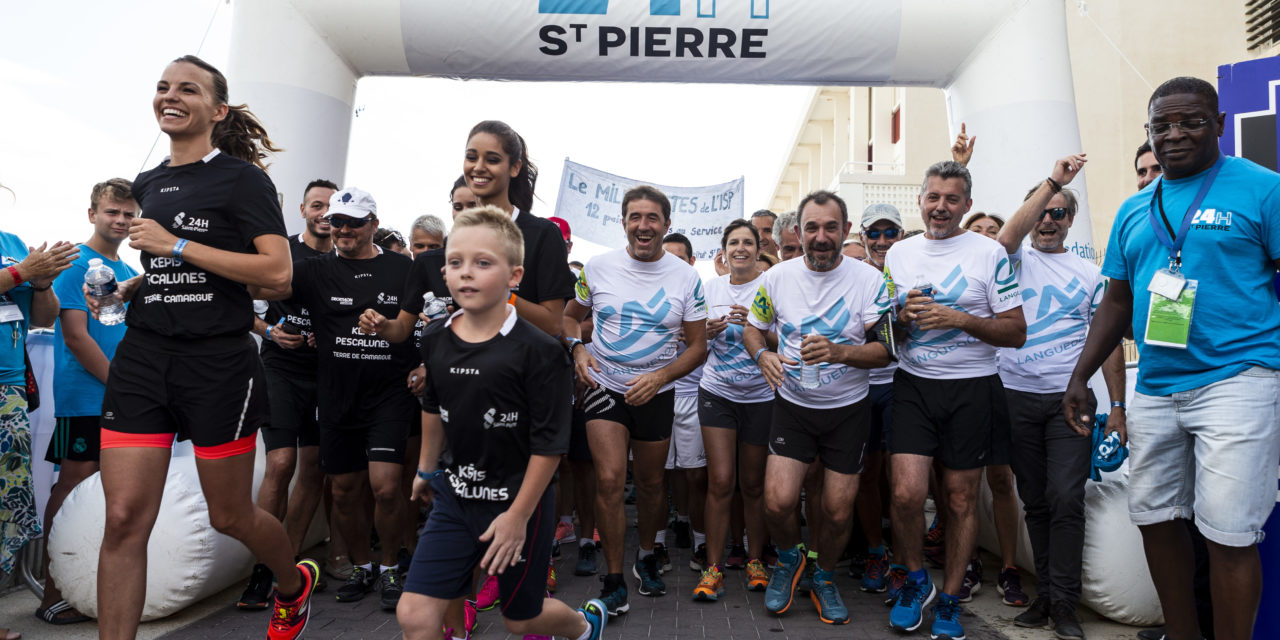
<point>969,272</point>
<point>638,309</point>
<point>1060,292</point>
<point>730,372</point>
<point>838,304</point>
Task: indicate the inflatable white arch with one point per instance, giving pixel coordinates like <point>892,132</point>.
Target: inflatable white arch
<point>1003,63</point>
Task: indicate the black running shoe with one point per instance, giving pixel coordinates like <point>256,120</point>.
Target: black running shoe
<point>357,585</point>
<point>390,586</point>
<point>257,595</point>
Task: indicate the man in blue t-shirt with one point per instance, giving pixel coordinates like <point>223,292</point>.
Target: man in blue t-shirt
<point>83,351</point>
<point>1191,261</point>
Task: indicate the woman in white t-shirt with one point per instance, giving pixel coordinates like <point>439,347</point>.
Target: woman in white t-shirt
<point>734,407</point>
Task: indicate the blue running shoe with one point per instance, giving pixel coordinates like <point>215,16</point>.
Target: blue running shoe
<point>874,579</point>
<point>782,584</point>
<point>647,572</point>
<point>826,598</point>
<point>894,580</point>
<point>615,602</point>
<point>908,613</point>
<point>597,615</point>
<point>946,619</point>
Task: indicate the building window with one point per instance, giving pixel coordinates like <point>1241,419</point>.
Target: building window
<point>1262,22</point>
<point>896,126</point>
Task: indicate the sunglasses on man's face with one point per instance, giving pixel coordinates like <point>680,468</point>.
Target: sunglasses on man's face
<point>874,234</point>
<point>1057,213</point>
<point>338,222</point>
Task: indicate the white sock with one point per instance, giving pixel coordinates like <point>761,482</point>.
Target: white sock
<point>457,638</point>
<point>582,542</point>
<point>699,538</point>
<point>644,553</point>
<point>744,540</point>
<point>661,538</point>
<point>384,568</point>
<point>680,518</point>
<point>367,567</point>
<point>568,519</point>
<point>585,634</point>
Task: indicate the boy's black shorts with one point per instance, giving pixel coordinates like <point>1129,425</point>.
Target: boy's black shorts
<point>449,551</point>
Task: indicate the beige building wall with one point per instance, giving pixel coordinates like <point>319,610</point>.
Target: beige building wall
<point>1120,51</point>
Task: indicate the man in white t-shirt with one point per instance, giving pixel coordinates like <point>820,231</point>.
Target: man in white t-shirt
<point>823,307</point>
<point>947,396</point>
<point>640,299</point>
<point>1060,292</point>
<point>687,458</point>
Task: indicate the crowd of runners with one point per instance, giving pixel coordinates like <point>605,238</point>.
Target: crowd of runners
<point>468,408</point>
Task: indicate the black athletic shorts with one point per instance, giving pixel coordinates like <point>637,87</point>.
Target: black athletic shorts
<point>449,551</point>
<point>579,446</point>
<point>211,391</point>
<point>749,419</point>
<point>293,410</point>
<point>351,450</point>
<point>954,421</point>
<point>837,437</point>
<point>650,422</point>
<point>881,396</point>
<point>76,438</point>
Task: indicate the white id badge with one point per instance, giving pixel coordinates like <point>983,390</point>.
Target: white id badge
<point>1167,284</point>
<point>9,310</point>
<point>1169,321</point>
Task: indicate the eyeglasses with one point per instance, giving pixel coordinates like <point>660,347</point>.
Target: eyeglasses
<point>874,234</point>
<point>1187,126</point>
<point>1057,213</point>
<point>338,222</point>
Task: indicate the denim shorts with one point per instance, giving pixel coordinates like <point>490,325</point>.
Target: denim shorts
<point>1211,453</point>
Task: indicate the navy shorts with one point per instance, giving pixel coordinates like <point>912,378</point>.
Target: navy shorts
<point>449,551</point>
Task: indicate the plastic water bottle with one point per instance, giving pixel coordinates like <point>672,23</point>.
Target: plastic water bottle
<point>809,374</point>
<point>101,281</point>
<point>433,307</point>
<point>924,286</point>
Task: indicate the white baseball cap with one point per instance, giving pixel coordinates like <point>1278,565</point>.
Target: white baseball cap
<point>871,215</point>
<point>352,202</point>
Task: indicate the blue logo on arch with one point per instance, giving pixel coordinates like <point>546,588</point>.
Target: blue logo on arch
<point>705,8</point>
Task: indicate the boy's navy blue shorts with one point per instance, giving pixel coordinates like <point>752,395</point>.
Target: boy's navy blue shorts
<point>450,549</point>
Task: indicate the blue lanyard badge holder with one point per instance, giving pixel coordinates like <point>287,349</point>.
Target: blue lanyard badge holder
<point>1173,296</point>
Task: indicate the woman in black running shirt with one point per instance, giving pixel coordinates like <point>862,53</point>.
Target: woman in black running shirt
<point>212,239</point>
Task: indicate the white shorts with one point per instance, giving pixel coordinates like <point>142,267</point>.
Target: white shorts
<point>686,450</point>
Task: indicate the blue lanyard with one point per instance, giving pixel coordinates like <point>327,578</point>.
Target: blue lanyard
<point>1162,233</point>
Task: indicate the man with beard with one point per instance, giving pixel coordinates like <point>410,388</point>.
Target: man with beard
<point>1051,460</point>
<point>292,437</point>
<point>364,407</point>
<point>1204,424</point>
<point>640,299</point>
<point>960,298</point>
<point>823,307</point>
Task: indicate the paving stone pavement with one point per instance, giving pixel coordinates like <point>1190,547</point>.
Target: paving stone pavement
<point>739,615</point>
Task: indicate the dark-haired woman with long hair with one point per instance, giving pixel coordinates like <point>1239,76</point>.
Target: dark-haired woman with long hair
<point>734,409</point>
<point>212,239</point>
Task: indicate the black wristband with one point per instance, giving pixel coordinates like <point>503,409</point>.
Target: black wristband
<point>1053,184</point>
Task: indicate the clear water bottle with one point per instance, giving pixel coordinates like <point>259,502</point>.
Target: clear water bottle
<point>434,307</point>
<point>809,374</point>
<point>923,286</point>
<point>101,280</point>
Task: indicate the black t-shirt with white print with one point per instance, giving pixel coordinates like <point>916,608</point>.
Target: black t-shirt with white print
<point>336,291</point>
<point>221,202</point>
<point>303,358</point>
<point>500,401</point>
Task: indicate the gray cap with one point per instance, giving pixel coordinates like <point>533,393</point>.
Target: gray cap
<point>877,212</point>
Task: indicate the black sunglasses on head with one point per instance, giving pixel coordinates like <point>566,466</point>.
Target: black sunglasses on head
<point>874,234</point>
<point>338,222</point>
<point>1057,213</point>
